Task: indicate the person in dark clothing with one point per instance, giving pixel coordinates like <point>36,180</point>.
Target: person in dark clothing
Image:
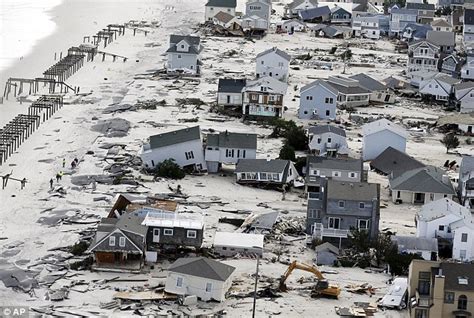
<point>73,164</point>
<point>51,183</point>
<point>58,177</point>
<point>23,183</point>
<point>64,162</point>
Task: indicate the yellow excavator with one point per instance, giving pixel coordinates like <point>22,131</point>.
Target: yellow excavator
<point>322,287</point>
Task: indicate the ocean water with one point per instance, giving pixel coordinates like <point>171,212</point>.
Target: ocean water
<point>23,23</point>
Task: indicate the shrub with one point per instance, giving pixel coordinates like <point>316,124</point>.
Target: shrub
<point>169,169</point>
<point>79,248</point>
<point>287,153</point>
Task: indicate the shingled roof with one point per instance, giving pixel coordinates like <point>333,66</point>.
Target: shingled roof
<point>261,165</point>
<point>394,161</point>
<point>427,179</point>
<point>202,267</point>
<point>360,191</point>
<point>228,85</point>
<point>222,3</point>
<point>458,277</point>
<point>228,139</point>
<point>321,129</point>
<point>175,137</point>
<point>279,52</point>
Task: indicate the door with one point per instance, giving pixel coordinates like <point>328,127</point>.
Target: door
<point>228,99</point>
<point>334,223</point>
<point>387,98</point>
<point>419,197</point>
<point>469,129</point>
<point>156,235</point>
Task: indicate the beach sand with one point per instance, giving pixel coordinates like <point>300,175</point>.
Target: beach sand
<point>68,134</point>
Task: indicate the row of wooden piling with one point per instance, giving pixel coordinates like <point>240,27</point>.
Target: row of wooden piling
<point>13,134</point>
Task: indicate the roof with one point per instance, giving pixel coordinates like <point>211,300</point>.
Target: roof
<point>426,179</point>
<point>327,247</point>
<point>441,38</point>
<point>335,30</point>
<point>418,30</point>
<point>440,208</point>
<point>335,163</point>
<point>272,84</point>
<point>261,165</point>
<point>202,267</point>
<point>420,6</point>
<point>395,83</point>
<point>223,16</point>
<point>453,272</point>
<point>278,52</point>
<point>468,16</point>
<point>228,85</point>
<point>346,85</point>
<point>160,218</point>
<point>416,243</point>
<point>441,23</point>
<point>313,13</point>
<point>368,82</point>
<point>175,137</point>
<point>447,79</point>
<point>394,161</point>
<point>192,40</point>
<point>107,225</point>
<point>464,85</point>
<point>403,11</point>
<point>383,124</point>
<point>222,3</point>
<point>241,240</point>
<point>132,222</point>
<point>324,84</point>
<point>321,129</point>
<point>354,191</point>
<point>337,8</point>
<point>228,139</point>
<point>466,168</point>
<point>456,119</point>
<point>296,3</point>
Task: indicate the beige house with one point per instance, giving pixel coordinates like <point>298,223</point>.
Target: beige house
<point>440,290</point>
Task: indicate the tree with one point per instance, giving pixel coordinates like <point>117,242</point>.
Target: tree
<point>169,169</point>
<point>360,240</point>
<point>450,141</point>
<point>287,153</point>
<point>346,56</point>
<point>296,138</point>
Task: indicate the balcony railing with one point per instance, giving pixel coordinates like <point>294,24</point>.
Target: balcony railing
<point>320,232</point>
<point>423,300</point>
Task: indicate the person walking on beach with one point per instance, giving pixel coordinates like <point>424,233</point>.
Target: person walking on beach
<point>61,175</point>
<point>64,162</point>
<point>23,183</point>
<point>51,183</point>
<point>58,177</point>
<point>73,164</point>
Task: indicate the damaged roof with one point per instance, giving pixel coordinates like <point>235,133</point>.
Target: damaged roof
<point>443,38</point>
<point>175,137</point>
<point>442,207</point>
<point>314,13</point>
<point>335,163</point>
<point>394,161</point>
<point>458,276</point>
<point>222,3</point>
<point>229,85</point>
<point>321,129</point>
<point>202,267</point>
<point>413,243</point>
<point>368,82</point>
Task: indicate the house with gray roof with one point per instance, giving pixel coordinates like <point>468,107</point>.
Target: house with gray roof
<point>203,277</point>
<point>345,206</point>
<point>318,100</point>
<point>441,25</point>
<point>423,55</point>
<point>425,11</point>
<point>466,182</point>
<point>315,15</point>
<point>229,92</point>
<point>381,134</point>
<point>464,94</point>
<point>468,29</point>
<point>257,16</point>
<point>327,140</point>
<point>445,40</point>
<point>350,92</point>
<point>415,31</point>
<point>421,185</point>
<point>275,172</point>
<point>213,7</point>
<point>371,26</point>
<point>119,244</point>
<point>184,55</point>
<point>340,15</point>
<point>326,254</point>
<point>292,9</point>
<point>184,146</point>
<point>439,88</point>
<point>400,17</point>
<point>427,248</point>
<point>229,147</point>
<point>452,65</point>
<point>273,63</point>
<point>379,91</point>
<point>394,162</point>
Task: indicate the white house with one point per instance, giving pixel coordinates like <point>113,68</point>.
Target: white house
<point>291,26</point>
<point>215,6</point>
<point>466,182</point>
<point>203,277</point>
<point>318,100</point>
<point>370,26</point>
<point>229,91</point>
<point>257,15</point>
<point>327,140</point>
<point>464,93</point>
<point>350,92</point>
<point>467,70</point>
<point>274,63</point>
<point>184,146</point>
<point>263,171</point>
<point>228,147</point>
<point>463,240</point>
<point>183,54</point>
<point>441,25</point>
<point>423,55</point>
<point>421,185</point>
<point>468,29</point>
<point>264,97</point>
<point>418,78</point>
<point>292,9</point>
<point>439,88</point>
<point>232,243</point>
<point>427,248</point>
<point>381,134</point>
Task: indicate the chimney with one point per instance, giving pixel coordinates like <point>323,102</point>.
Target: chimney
<point>268,158</point>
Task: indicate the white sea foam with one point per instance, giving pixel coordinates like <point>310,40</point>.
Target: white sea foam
<point>23,23</point>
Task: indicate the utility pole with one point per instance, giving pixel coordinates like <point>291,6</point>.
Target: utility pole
<point>255,289</point>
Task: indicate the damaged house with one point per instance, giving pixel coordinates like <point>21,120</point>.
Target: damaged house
<point>184,146</point>
<point>381,134</point>
<point>466,182</point>
<point>379,91</point>
<point>273,63</point>
<point>263,97</point>
<point>275,172</point>
<point>228,148</point>
<point>229,92</point>
<point>293,9</point>
<point>213,7</point>
<point>184,55</point>
<point>327,140</point>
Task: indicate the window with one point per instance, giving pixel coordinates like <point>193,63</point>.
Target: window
<point>168,232</point>
<point>191,234</point>
<point>179,282</point>
<point>328,113</point>
<point>363,224</point>
<point>182,46</point>
<point>179,56</point>
<point>319,140</point>
<point>424,283</point>
<point>361,205</point>
<point>329,139</point>
<point>315,213</point>
<point>336,174</point>
<point>262,63</point>
<point>341,204</point>
<point>334,223</point>
<point>464,237</point>
<point>263,175</point>
<point>352,175</point>
<point>449,298</point>
<point>276,177</point>
<point>462,254</point>
<point>309,97</point>
<point>189,155</point>
<point>441,227</point>
<point>122,241</point>
<point>208,287</point>
<point>421,313</point>
<point>243,155</point>
<point>111,240</point>
<point>462,302</point>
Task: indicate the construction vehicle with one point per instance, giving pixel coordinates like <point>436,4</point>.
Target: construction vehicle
<point>322,288</point>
